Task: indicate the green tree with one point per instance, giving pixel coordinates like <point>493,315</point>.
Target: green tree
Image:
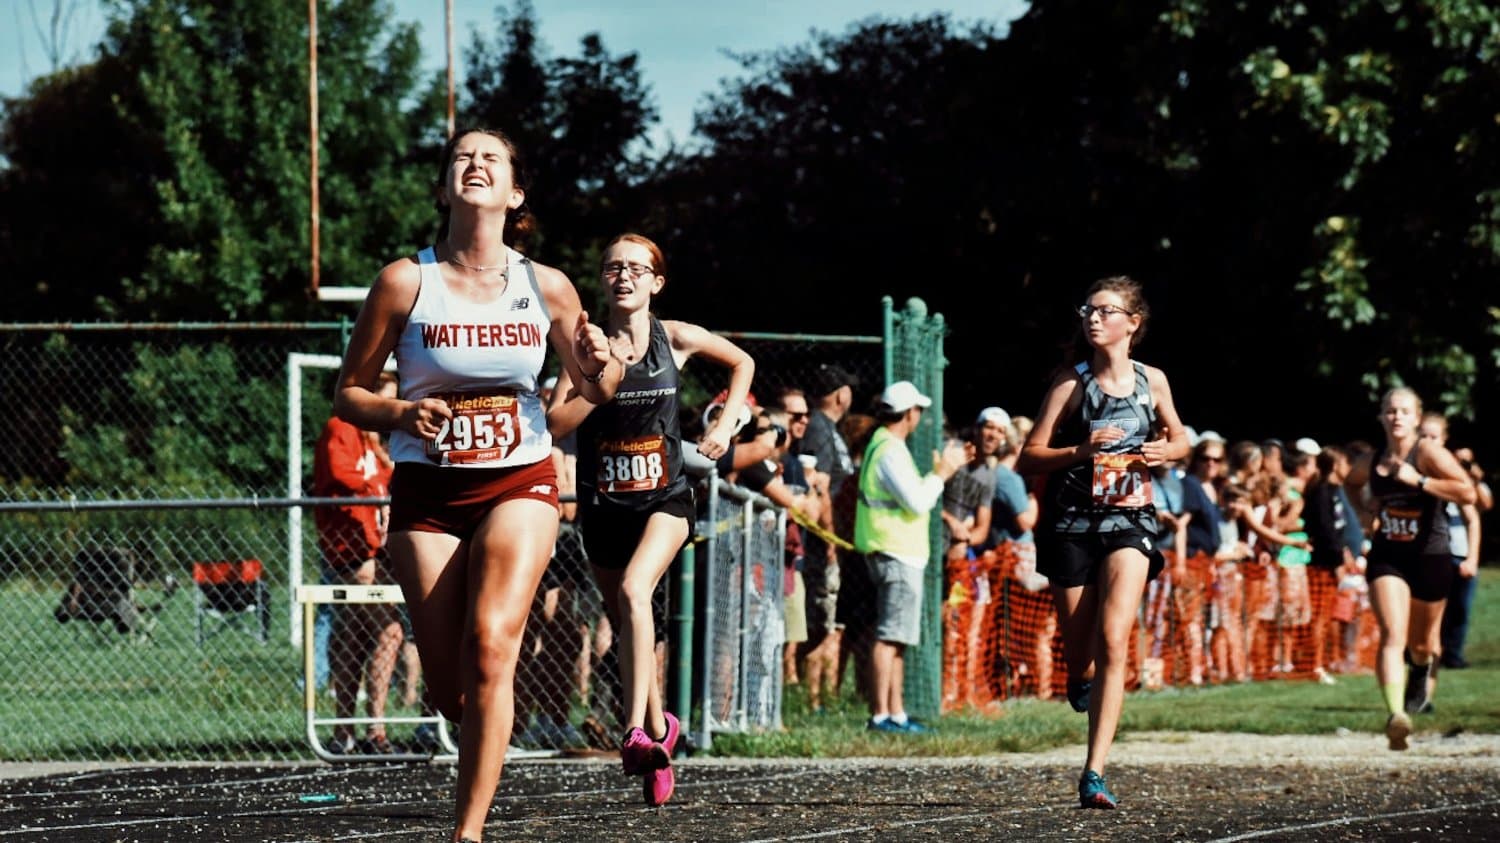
<point>77,205</point>
<point>1303,187</point>
<point>225,87</point>
<point>581,121</point>
<point>210,99</point>
<point>862,164</point>
<point>1402,96</point>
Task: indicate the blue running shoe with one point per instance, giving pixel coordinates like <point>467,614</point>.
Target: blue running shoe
<point>1078,694</point>
<point>887,726</point>
<point>916,727</point>
<point>1094,793</point>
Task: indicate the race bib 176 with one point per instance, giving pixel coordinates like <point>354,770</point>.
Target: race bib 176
<point>1121,480</point>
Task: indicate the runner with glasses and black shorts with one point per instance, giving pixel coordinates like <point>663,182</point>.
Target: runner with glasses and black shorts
<point>1102,427</point>
<point>635,506</point>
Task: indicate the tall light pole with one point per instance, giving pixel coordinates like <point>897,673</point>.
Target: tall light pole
<point>449,9</point>
<point>312,122</point>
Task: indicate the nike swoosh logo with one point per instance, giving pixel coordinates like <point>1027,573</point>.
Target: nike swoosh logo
<point>656,372</point>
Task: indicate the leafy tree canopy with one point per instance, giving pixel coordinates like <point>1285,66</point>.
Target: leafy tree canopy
<point>1308,190</point>
<point>581,122</point>
<point>1303,187</point>
<point>203,175</point>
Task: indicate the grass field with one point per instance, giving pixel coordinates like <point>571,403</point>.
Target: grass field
<point>1465,701</point>
<point>69,694</point>
<point>70,691</point>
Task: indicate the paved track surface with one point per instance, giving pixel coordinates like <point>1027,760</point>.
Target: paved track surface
<point>1200,787</point>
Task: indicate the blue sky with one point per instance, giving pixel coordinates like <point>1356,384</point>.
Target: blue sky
<point>681,42</point>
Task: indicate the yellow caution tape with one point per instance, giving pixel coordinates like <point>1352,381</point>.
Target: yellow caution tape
<point>807,524</point>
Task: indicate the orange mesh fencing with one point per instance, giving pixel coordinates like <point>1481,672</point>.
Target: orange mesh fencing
<point>1026,642</point>
<point>964,612</point>
<point>1202,620</point>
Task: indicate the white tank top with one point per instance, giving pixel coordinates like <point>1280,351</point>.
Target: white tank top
<point>483,359</point>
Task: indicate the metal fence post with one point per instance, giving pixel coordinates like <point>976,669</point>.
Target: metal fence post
<point>682,653</point>
<point>710,616</point>
<point>747,559</point>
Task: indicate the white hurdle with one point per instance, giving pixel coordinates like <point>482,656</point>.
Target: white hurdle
<point>312,596</point>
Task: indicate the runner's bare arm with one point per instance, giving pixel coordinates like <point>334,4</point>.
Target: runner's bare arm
<point>569,407</point>
<point>687,340</point>
<point>1037,454</point>
<point>579,342</point>
<point>1175,445</point>
<point>1441,475</point>
<point>378,327</point>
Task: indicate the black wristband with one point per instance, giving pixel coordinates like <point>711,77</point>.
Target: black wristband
<point>595,378</point>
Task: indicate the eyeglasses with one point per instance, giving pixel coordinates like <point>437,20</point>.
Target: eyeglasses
<point>635,270</point>
<point>1207,458</point>
<point>797,417</point>
<point>1104,311</point>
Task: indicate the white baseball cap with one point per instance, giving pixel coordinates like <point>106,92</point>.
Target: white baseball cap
<point>993,415</point>
<point>1306,445</point>
<point>902,396</point>
<point>1211,436</point>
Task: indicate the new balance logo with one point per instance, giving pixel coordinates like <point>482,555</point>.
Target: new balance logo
<point>521,303</point>
<point>542,489</point>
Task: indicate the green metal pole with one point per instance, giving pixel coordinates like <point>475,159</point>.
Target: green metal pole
<point>888,332</point>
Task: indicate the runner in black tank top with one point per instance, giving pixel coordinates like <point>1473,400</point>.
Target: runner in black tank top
<point>1083,499</point>
<point>1409,568</point>
<point>1103,425</point>
<point>633,444</point>
<point>636,508</point>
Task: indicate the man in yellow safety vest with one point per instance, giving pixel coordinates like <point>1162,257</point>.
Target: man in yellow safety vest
<point>890,528</point>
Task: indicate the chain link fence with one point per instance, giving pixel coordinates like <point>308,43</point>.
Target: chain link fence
<point>156,514</point>
<point>745,628</point>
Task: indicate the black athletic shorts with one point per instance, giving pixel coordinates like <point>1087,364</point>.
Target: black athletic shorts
<point>1073,559</point>
<point>611,533</point>
<point>1429,577</point>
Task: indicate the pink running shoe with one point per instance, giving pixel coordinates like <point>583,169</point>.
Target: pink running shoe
<point>638,752</point>
<point>659,754</point>
<point>657,786</point>
<point>659,782</point>
<point>674,731</point>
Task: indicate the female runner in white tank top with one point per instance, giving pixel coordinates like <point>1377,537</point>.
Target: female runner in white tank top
<point>474,496</point>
